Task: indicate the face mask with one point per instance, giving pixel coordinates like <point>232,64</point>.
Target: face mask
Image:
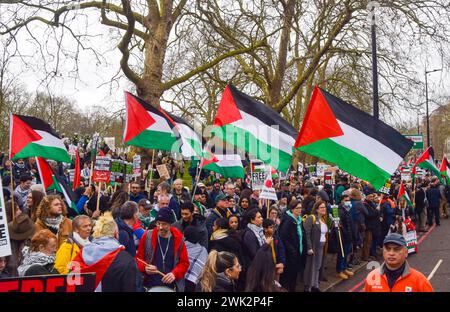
<point>21,166</point>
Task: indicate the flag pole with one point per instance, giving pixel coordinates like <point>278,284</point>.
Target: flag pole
<point>151,173</point>
<point>197,177</point>
<point>12,192</point>
<point>90,173</point>
<point>98,196</point>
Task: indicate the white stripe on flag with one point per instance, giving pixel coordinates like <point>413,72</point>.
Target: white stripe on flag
<point>366,146</point>
<point>49,140</point>
<point>265,133</point>
<point>160,125</point>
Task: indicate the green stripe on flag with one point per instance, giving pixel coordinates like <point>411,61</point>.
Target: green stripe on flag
<point>249,143</point>
<point>155,140</point>
<point>348,160</point>
<point>49,152</point>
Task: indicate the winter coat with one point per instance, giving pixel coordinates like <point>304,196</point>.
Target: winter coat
<point>115,270</point>
<point>199,222</point>
<point>36,263</point>
<point>289,236</point>
<point>147,251</point>
<point>137,198</point>
<point>372,218</point>
<point>230,243</point>
<point>65,229</point>
<point>433,196</point>
<point>346,222</point>
<point>126,237</point>
<point>224,284</point>
<point>66,253</point>
<point>419,199</point>
<point>250,245</point>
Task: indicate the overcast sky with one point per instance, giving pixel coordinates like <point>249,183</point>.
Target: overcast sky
<point>92,87</point>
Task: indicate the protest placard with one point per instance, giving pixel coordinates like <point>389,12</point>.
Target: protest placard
<point>5,244</point>
<point>117,171</point>
<point>163,172</point>
<point>328,177</point>
<point>268,191</point>
<point>102,169</point>
<point>258,174</point>
<point>137,165</point>
<point>50,283</point>
<point>128,172</point>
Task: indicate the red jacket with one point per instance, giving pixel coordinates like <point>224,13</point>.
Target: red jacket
<point>180,252</point>
<point>410,281</point>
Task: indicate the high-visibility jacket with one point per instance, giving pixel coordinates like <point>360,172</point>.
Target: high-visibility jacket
<point>410,281</point>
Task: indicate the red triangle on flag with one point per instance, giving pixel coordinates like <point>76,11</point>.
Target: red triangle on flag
<point>227,112</point>
<point>45,172</point>
<point>401,191</point>
<point>319,122</point>
<point>21,135</point>
<point>209,159</point>
<point>138,118</point>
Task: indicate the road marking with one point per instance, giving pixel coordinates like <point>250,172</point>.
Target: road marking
<point>355,288</point>
<point>434,270</point>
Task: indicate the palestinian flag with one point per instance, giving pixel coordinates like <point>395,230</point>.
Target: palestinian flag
<point>191,141</point>
<point>403,194</point>
<point>30,137</point>
<point>255,128</point>
<point>147,127</point>
<point>227,165</point>
<point>52,181</point>
<point>445,169</point>
<point>357,142</point>
<point>426,161</point>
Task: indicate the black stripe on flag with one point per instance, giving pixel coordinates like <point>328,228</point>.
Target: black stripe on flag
<point>38,124</point>
<point>180,120</point>
<point>149,107</point>
<point>261,111</point>
<point>368,125</point>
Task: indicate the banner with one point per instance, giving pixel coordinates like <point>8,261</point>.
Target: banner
<point>50,283</point>
<point>5,244</point>
<point>137,165</point>
<point>163,172</point>
<point>102,169</point>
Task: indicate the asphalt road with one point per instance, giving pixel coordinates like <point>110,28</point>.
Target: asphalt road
<point>433,260</point>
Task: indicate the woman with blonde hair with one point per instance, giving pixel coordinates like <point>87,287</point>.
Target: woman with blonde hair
<point>220,272</point>
<point>51,215</point>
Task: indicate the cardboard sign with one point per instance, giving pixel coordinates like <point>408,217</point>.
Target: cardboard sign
<point>163,172</point>
<point>5,244</point>
<point>258,174</point>
<point>268,191</point>
<point>102,169</point>
<point>50,283</point>
<point>300,168</point>
<point>321,169</point>
<point>137,165</point>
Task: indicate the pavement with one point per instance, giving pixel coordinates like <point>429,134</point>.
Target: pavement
<point>432,259</point>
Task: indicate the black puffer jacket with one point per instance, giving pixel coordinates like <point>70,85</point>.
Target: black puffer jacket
<point>224,284</point>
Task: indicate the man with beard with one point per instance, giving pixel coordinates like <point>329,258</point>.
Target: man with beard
<point>188,217</point>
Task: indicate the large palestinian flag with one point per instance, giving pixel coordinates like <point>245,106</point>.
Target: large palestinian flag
<point>52,181</point>
<point>191,141</point>
<point>445,169</point>
<point>147,127</point>
<point>426,161</point>
<point>255,128</point>
<point>30,137</point>
<point>227,165</point>
<point>357,142</point>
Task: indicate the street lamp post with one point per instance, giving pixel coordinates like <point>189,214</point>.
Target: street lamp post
<point>374,65</point>
<point>426,102</point>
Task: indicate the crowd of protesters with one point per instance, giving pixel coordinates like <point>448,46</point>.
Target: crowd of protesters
<point>218,236</point>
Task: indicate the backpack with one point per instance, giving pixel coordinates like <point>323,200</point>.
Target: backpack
<point>304,217</point>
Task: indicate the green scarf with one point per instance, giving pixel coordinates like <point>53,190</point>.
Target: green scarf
<point>298,223</point>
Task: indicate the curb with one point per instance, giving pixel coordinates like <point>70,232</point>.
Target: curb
<point>359,268</point>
